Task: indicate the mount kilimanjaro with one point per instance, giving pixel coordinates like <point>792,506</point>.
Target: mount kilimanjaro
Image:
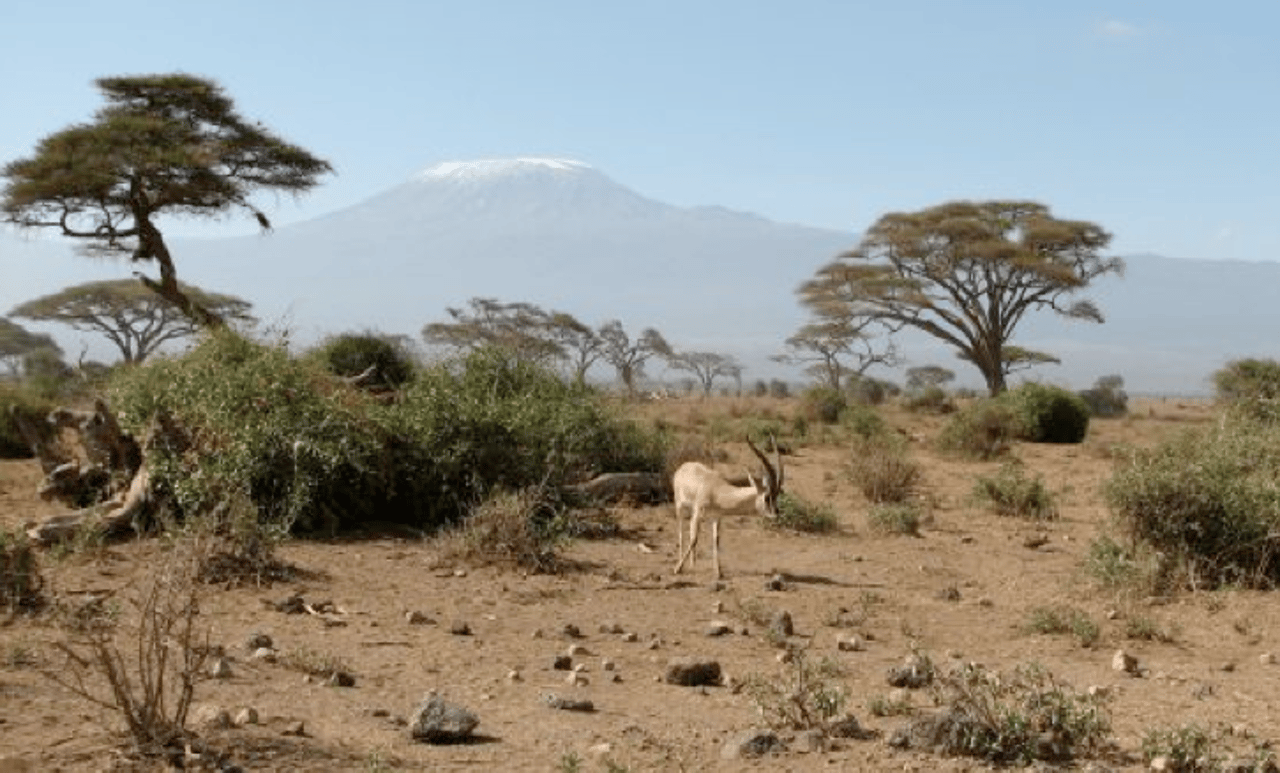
<point>564,236</point>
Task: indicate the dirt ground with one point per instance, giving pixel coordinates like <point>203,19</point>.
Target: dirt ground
<point>896,591</point>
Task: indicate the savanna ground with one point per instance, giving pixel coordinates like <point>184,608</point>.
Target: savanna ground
<point>963,590</point>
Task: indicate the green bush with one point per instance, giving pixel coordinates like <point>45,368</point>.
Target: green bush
<point>281,437</point>
<point>1011,492</point>
<point>822,405</point>
<point>930,399</point>
<point>1107,398</point>
<point>349,354</point>
<point>902,518</point>
<point>984,430</point>
<point>1048,414</point>
<point>862,420</point>
<point>30,404</point>
<point>1250,387</point>
<point>1207,501</point>
<point>798,514</point>
<point>871,391</point>
<point>1063,620</point>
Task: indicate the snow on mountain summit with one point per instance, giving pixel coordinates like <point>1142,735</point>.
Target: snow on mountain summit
<point>488,169</point>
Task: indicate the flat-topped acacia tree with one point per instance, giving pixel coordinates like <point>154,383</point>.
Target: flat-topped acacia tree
<point>163,145</point>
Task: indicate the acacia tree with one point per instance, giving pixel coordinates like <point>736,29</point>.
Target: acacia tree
<point>706,367</point>
<point>831,348</point>
<point>967,273</point>
<point>168,144</point>
<point>628,357</point>
<point>16,342</point>
<point>130,315</point>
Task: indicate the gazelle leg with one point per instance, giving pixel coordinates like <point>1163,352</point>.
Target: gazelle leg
<point>679,536</point>
<point>689,554</point>
<point>715,545</point>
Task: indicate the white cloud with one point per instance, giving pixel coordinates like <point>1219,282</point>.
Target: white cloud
<point>1115,29</point>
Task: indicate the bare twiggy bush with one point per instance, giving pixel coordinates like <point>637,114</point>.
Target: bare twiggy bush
<point>21,584</point>
<point>880,468</point>
<point>808,696</point>
<point>142,659</point>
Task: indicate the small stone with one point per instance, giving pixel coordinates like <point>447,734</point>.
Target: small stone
<point>611,627</point>
<point>1124,663</point>
<point>437,721</point>
<point>950,593</point>
<point>752,743</point>
<point>459,572</point>
<point>537,634</point>
<point>601,750</point>
<point>571,631</point>
<point>776,583</point>
<point>341,679</point>
<point>245,716</point>
<point>850,643</point>
<point>631,636</point>
<point>717,607</point>
<point>1267,658</point>
<point>264,655</point>
<point>415,617</point>
<point>220,669</point>
<point>718,628</point>
<point>567,704</point>
<point>213,718</point>
<point>577,679</point>
<point>460,628</point>
<point>607,665</point>
<point>575,650</point>
<point>1228,666</point>
<point>257,641</point>
<point>781,625</point>
<point>562,663</point>
<point>295,728</point>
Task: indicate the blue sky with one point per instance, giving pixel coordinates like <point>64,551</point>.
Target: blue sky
<point>1158,120</point>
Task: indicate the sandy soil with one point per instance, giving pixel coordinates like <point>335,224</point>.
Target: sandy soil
<point>893,590</point>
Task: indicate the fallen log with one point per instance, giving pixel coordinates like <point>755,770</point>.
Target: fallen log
<point>648,488</point>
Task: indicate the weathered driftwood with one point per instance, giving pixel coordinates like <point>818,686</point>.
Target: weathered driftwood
<point>613,487</point>
<point>93,465</point>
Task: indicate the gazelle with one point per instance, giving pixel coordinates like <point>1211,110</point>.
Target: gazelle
<point>703,490</point>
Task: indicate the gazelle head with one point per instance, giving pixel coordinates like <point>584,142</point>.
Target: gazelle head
<point>770,486</point>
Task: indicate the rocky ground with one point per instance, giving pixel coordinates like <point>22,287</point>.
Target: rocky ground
<point>525,654</point>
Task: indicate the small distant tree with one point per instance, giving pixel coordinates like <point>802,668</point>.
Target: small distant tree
<point>706,367</point>
<point>1107,398</point>
<point>135,319</point>
<point>16,342</point>
<point>832,348</point>
<point>926,376</point>
<point>168,144</point>
<point>518,328</point>
<point>629,357</point>
<point>967,273</point>
<point>580,345</point>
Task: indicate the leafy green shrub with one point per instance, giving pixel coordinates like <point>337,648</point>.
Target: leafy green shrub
<point>31,405</point>
<point>984,430</point>
<point>930,399</point>
<point>1207,501</point>
<point>1017,718</point>
<point>1063,620</point>
<point>1107,398</point>
<point>862,420</point>
<point>1191,748</point>
<point>897,518</point>
<point>1011,492</point>
<point>1250,387</point>
<point>871,391</point>
<point>1048,414</point>
<point>822,405</point>
<point>880,468</point>
<point>350,354</point>
<point>797,514</point>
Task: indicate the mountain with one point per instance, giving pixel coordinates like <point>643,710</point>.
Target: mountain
<point>563,235</point>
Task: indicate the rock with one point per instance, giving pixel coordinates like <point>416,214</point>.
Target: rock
<point>213,718</point>
<point>220,668</point>
<point>514,675</point>
<point>1124,663</point>
<point>850,642</point>
<point>562,663</point>
<point>847,726</point>
<point>341,679</point>
<point>631,636</point>
<point>264,655</point>
<point>460,628</point>
<point>437,721</point>
<point>577,679</point>
<point>718,628</point>
<point>780,625</point>
<point>415,617</point>
<point>297,728</point>
<point>607,664</point>
<point>692,672</point>
<point>257,641</point>
<point>950,593</point>
<point>776,583</point>
<point>574,650</point>
<point>914,673</point>
<point>567,704</point>
<point>752,743</point>
<point>571,631</point>
<point>611,627</point>
<point>1267,658</point>
<point>245,716</point>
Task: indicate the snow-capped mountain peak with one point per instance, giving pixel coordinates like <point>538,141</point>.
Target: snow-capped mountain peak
<point>492,168</point>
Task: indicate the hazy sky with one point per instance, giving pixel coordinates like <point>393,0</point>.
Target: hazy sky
<point>1158,119</point>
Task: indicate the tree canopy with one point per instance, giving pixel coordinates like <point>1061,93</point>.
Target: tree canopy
<point>167,144</point>
<point>706,367</point>
<point>967,273</point>
<point>129,314</point>
<point>836,346</point>
<point>628,357</point>
<point>16,342</point>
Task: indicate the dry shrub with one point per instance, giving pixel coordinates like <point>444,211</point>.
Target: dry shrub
<point>879,467</point>
<point>21,584</point>
<point>1011,492</point>
<point>521,529</point>
<point>144,658</point>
